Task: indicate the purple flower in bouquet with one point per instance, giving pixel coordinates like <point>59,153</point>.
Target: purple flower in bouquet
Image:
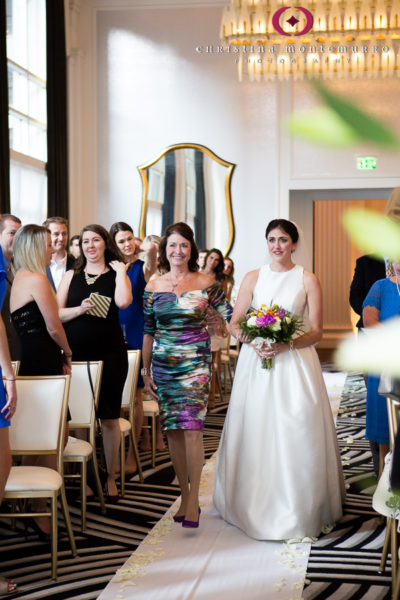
<point>265,320</point>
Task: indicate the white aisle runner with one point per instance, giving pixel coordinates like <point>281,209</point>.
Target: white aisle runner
<point>215,561</point>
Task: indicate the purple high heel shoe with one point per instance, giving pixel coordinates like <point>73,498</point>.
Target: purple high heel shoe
<point>191,523</point>
<point>178,518</point>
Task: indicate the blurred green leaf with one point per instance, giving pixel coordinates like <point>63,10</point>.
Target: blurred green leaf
<point>322,126</point>
<point>376,351</point>
<point>373,232</point>
<point>364,126</point>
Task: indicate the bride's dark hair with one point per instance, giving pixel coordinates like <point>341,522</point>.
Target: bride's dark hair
<point>286,226</point>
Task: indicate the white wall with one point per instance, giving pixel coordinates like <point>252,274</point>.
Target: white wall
<point>138,85</point>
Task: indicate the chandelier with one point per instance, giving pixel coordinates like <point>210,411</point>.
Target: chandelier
<point>319,38</point>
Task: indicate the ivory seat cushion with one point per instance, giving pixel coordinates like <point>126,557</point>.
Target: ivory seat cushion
<point>77,448</point>
<point>124,425</point>
<point>33,478</point>
<point>150,406</point>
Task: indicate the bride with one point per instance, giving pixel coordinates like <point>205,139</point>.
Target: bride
<point>278,470</point>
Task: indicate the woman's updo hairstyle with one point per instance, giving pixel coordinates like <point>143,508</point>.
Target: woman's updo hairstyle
<point>185,231</point>
<point>287,226</point>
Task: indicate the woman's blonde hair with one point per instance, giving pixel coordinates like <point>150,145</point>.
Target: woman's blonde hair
<point>29,248</point>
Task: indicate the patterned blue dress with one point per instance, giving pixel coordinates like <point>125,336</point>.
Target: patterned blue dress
<point>181,352</point>
<point>384,296</point>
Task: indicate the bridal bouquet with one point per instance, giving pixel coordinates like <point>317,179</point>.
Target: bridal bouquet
<point>271,324</point>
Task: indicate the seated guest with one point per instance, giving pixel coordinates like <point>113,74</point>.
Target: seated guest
<point>9,226</point>
<point>74,246</point>
<point>61,261</point>
<point>34,311</point>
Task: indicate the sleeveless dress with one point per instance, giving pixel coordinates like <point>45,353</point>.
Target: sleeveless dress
<point>181,359</point>
<point>132,318</point>
<point>97,338</point>
<point>40,354</point>
<point>278,470</point>
<point>383,296</point>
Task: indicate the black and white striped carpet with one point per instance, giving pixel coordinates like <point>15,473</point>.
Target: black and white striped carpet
<point>343,565</point>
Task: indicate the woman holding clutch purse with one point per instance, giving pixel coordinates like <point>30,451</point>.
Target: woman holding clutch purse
<point>95,334</point>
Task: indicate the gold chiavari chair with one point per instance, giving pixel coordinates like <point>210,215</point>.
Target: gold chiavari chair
<point>127,426</point>
<point>381,501</point>
<point>38,429</point>
<point>83,417</point>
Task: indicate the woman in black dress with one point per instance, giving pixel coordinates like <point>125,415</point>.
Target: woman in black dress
<point>99,270</point>
<point>34,311</point>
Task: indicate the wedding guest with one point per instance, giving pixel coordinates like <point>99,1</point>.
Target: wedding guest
<point>74,246</point>
<point>98,336</point>
<point>177,359</point>
<point>382,302</point>
<point>61,261</point>
<point>202,258</point>
<point>131,318</point>
<point>278,472</point>
<point>8,403</point>
<point>9,226</point>
<point>229,281</point>
<point>214,267</point>
<point>34,311</point>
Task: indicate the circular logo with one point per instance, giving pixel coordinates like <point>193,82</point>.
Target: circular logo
<point>278,28</point>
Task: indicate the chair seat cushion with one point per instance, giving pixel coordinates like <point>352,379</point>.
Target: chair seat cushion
<point>77,448</point>
<point>150,407</point>
<point>124,425</point>
<point>33,478</point>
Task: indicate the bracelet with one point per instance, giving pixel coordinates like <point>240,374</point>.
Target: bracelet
<point>145,372</point>
<point>291,346</point>
<point>9,379</point>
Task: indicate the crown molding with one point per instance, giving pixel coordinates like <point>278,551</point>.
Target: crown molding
<point>155,4</point>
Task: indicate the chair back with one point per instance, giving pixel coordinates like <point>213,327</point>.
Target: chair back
<point>81,404</point>
<point>225,344</point>
<point>38,425</point>
<point>130,386</point>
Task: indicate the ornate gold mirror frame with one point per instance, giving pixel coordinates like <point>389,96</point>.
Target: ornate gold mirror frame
<point>216,191</point>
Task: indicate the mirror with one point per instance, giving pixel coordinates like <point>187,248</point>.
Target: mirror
<point>188,182</point>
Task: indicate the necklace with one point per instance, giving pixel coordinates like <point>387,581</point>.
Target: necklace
<point>91,279</point>
<point>174,285</point>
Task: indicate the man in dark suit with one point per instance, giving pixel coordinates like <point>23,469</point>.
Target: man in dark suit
<point>9,226</point>
<point>61,261</point>
<point>368,270</point>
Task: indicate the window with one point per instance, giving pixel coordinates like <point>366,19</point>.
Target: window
<point>26,58</point>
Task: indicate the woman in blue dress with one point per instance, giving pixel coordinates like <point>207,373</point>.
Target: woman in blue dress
<point>382,303</point>
<point>131,318</point>
<point>8,402</point>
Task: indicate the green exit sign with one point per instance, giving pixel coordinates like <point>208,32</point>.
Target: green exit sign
<point>366,163</point>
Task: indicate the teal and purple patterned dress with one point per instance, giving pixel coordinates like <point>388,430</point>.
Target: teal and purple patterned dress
<point>181,352</point>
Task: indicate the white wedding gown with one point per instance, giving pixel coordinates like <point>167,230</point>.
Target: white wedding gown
<point>278,470</point>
